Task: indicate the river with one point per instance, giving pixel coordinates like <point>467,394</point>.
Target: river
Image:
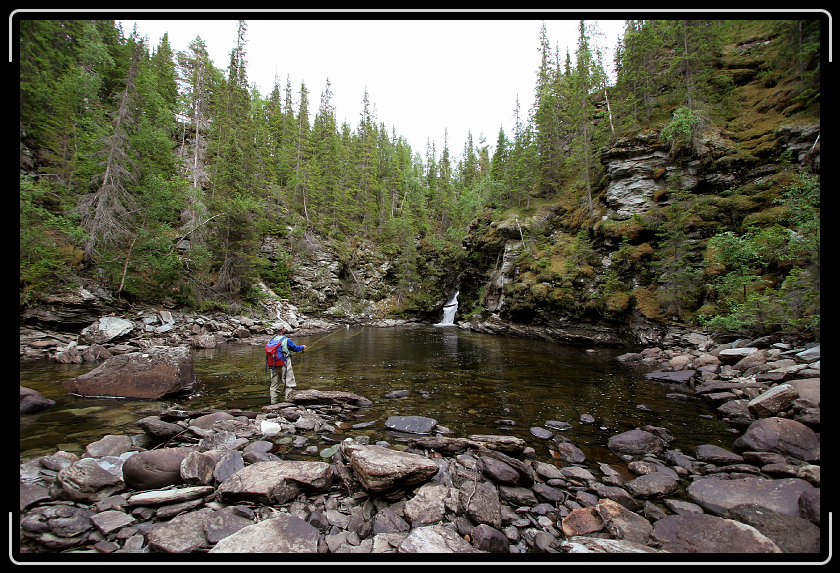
<point>469,382</point>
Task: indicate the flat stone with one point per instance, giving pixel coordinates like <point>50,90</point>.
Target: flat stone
<point>111,520</point>
<point>435,539</point>
<point>411,424</point>
<point>703,533</point>
<point>718,496</point>
<point>281,534</point>
<point>166,496</point>
<point>678,376</point>
<point>717,455</point>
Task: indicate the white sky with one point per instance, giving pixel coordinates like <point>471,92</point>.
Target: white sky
<point>422,75</point>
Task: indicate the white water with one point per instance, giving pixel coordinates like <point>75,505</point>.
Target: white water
<point>449,310</point>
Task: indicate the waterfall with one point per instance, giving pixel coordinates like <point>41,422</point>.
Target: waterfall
<point>449,310</point>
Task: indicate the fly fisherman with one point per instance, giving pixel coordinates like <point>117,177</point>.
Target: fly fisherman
<point>278,358</point>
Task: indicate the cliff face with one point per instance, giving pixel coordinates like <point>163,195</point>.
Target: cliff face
<point>545,272</point>
<point>517,285</point>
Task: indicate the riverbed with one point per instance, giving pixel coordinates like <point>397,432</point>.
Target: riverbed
<point>471,383</point>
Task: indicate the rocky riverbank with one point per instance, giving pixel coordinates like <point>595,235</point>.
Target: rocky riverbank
<point>60,335</point>
<point>252,482</point>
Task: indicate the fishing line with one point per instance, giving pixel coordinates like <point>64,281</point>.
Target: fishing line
<point>309,346</point>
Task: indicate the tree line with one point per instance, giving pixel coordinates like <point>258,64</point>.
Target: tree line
<point>158,173</point>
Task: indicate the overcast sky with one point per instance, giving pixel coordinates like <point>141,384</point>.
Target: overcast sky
<point>422,75</point>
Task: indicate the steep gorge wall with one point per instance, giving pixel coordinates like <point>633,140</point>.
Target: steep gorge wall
<point>515,285</point>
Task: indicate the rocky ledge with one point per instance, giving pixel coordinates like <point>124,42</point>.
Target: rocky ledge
<point>253,482</point>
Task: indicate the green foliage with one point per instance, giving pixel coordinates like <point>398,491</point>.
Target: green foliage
<point>681,127</point>
<point>747,300</point>
<point>677,274</point>
<point>275,273</point>
<point>49,242</point>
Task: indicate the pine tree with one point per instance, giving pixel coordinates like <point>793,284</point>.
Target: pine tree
<point>106,213</point>
<point>232,177</point>
<point>298,180</point>
<point>587,134</point>
<point>545,119</point>
<point>637,74</point>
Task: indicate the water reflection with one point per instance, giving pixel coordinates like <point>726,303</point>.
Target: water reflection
<point>471,383</point>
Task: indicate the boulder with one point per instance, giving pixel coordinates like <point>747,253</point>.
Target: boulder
<point>109,445</point>
<point>585,544</point>
<point>207,421</point>
<point>91,479</point>
<point>808,389</point>
<point>775,400</point>
<point>480,503</point>
<point>305,397</point>
<point>635,443</point>
<point>154,468</point>
<point>157,372</point>
<point>713,454</point>
<point>281,534</point>
<point>793,534</point>
<point>654,484</point>
<point>677,376</point>
<point>57,527</point>
<point>718,496</point>
<point>703,533</point>
<point>428,504</point>
<point>381,469</point>
<point>582,521</point>
<point>182,534</point>
<point>225,522</point>
<point>159,429</point>
<point>32,401</point>
<point>169,496</point>
<point>567,452</point>
<point>623,523</point>
<point>783,436</point>
<point>411,424</point>
<point>275,481</point>
<point>735,355</point>
<point>489,539</point>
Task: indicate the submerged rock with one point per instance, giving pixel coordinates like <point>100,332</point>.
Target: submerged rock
<point>153,374</point>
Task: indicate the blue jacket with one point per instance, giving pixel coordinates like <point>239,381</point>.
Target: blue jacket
<point>292,346</point>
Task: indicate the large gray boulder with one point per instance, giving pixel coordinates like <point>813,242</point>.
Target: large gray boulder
<point>782,436</point>
<point>718,496</point>
<point>381,469</point>
<point>411,424</point>
<point>281,534</point>
<point>275,481</point>
<point>635,443</point>
<point>156,372</point>
<point>703,533</point>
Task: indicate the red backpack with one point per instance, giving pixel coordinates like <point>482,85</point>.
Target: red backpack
<point>274,356</point>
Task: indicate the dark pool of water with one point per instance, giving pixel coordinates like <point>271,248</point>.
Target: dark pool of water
<point>473,383</point>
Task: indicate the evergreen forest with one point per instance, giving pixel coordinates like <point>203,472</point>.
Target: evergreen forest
<point>157,174</point>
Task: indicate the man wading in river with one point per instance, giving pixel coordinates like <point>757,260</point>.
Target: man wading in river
<point>278,358</point>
